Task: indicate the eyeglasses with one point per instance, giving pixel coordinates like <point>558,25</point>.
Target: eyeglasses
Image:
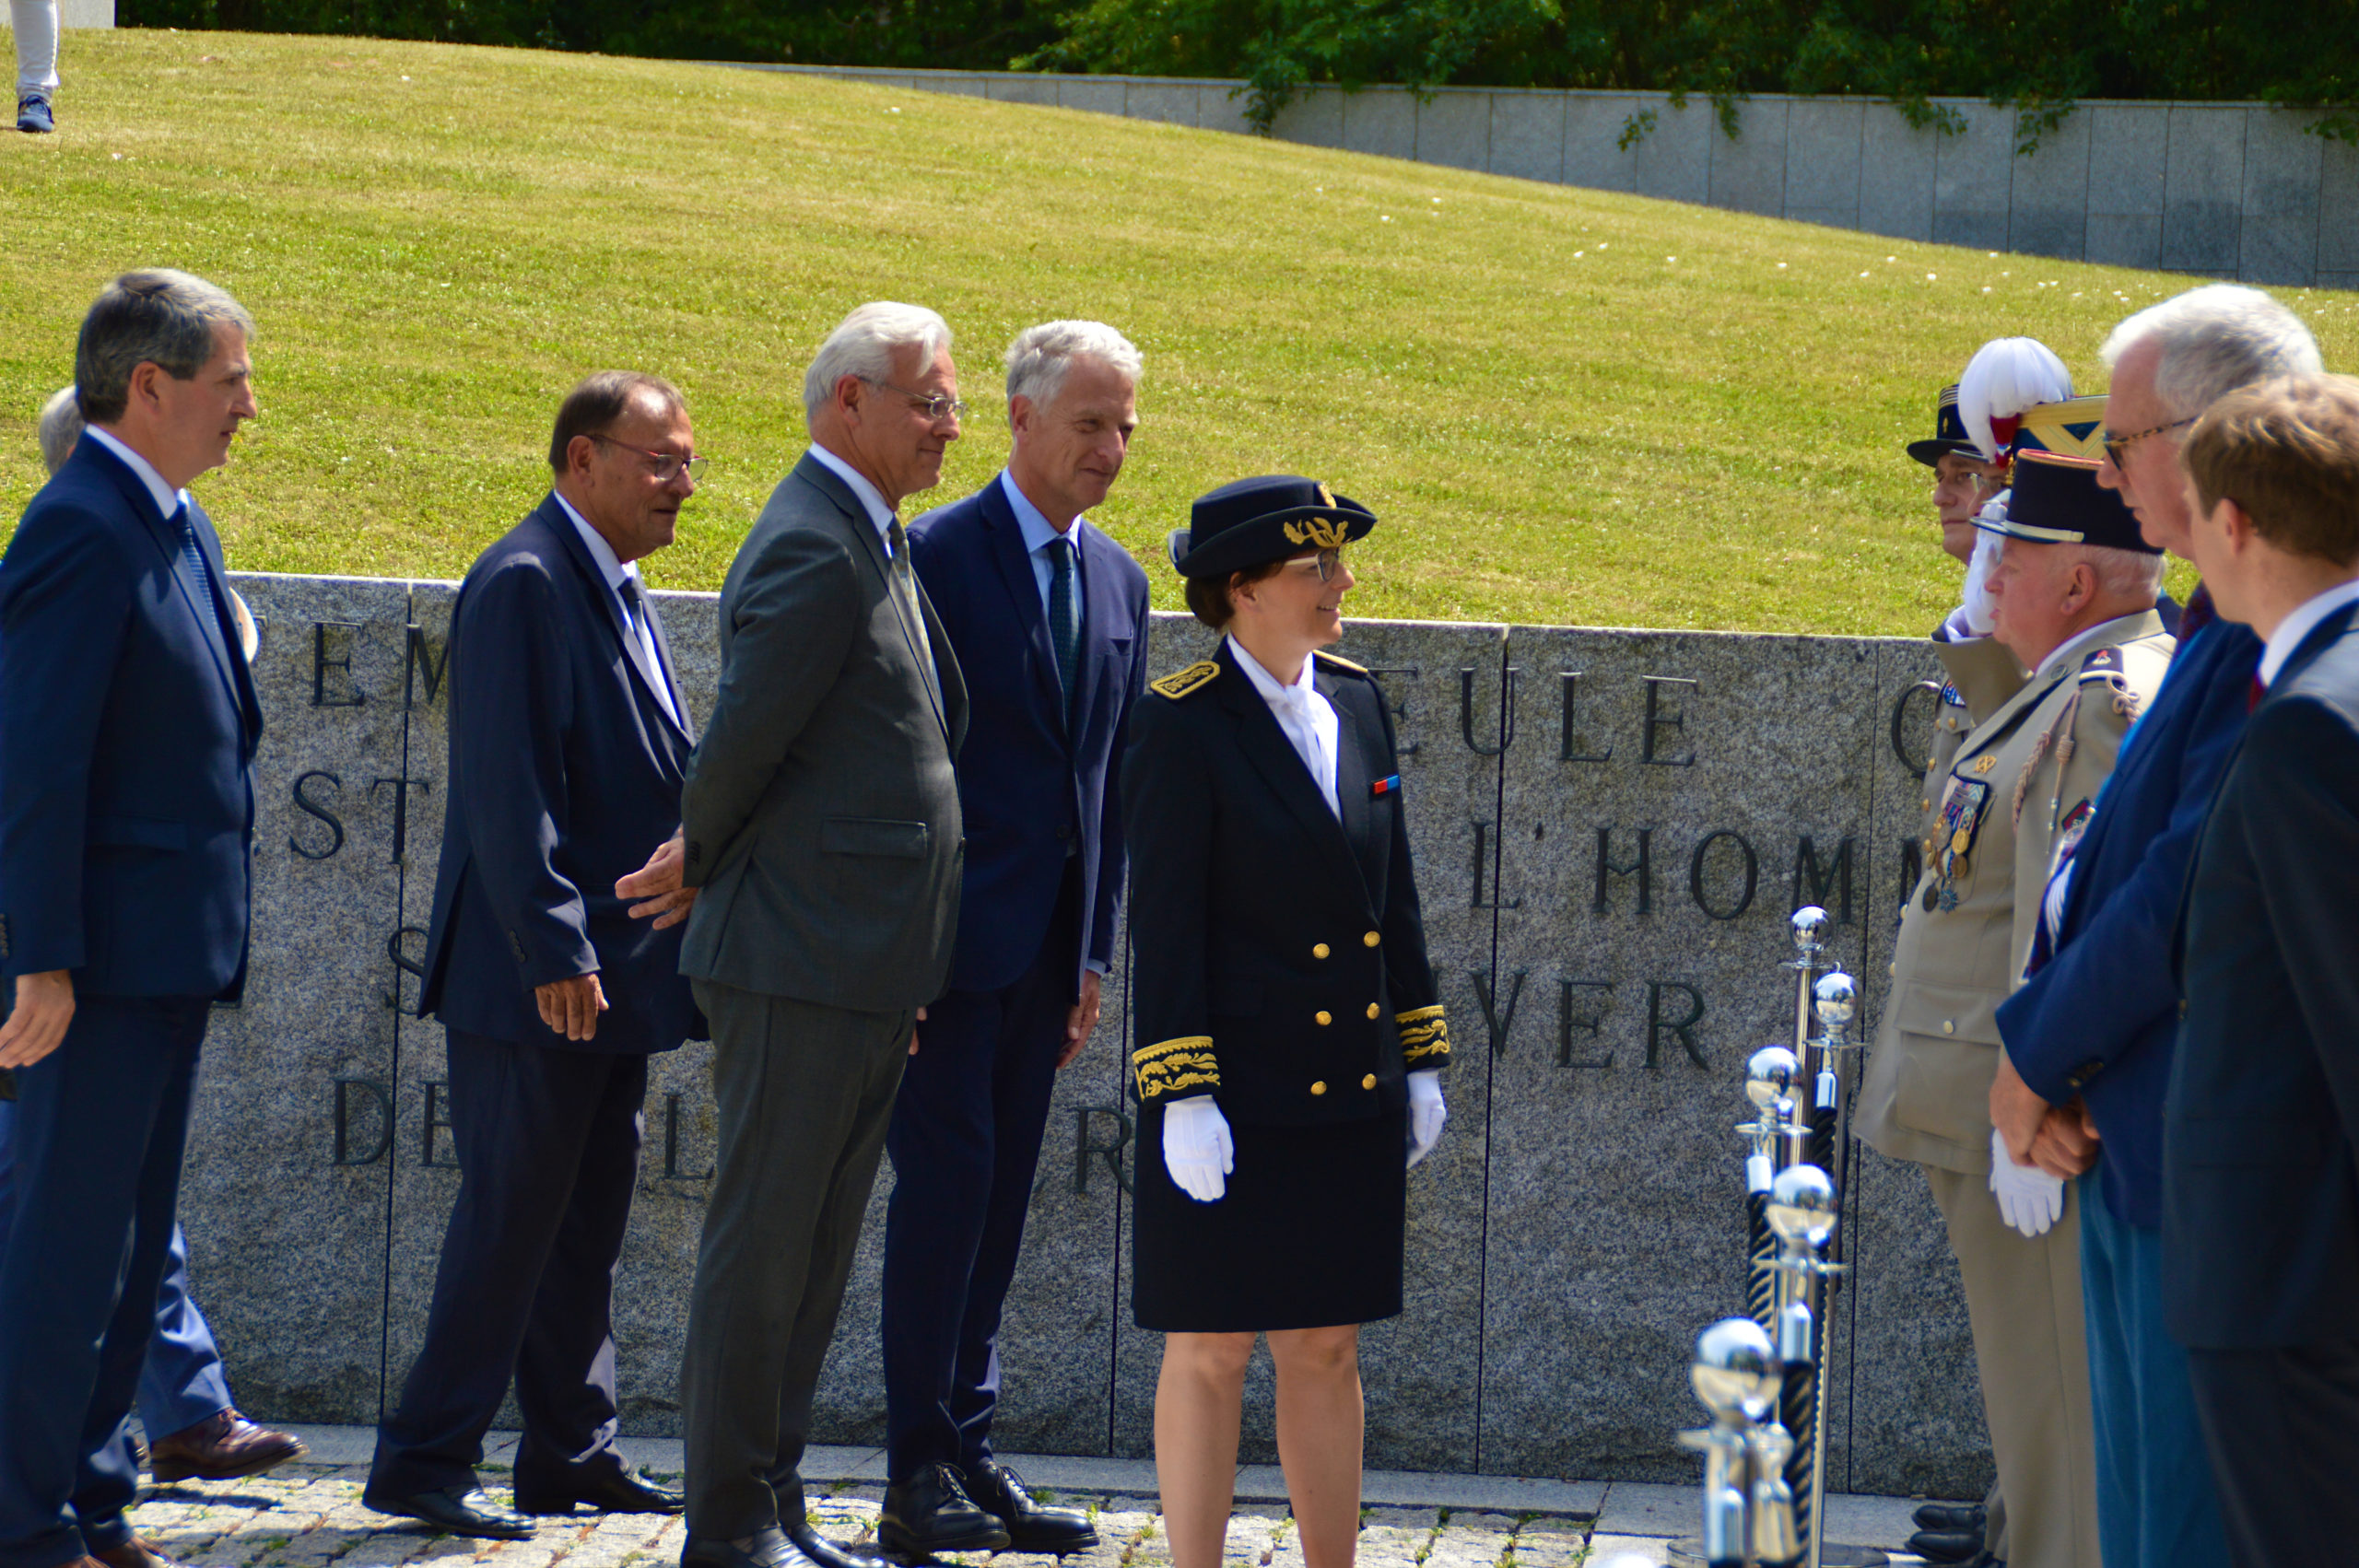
<point>668,465</point>
<point>2115,446</point>
<point>1325,564</point>
<point>937,407</point>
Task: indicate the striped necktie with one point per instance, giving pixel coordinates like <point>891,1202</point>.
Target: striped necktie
<point>1065,633</point>
<point>904,584</point>
<point>193,553</point>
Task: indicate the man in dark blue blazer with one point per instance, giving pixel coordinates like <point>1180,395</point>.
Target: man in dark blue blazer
<point>128,722</point>
<point>2098,1017</point>
<point>2260,1183</point>
<point>1049,619</point>
<point>568,738</point>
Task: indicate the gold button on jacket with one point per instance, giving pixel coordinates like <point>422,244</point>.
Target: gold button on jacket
<point>1319,951</point>
<point>1373,1010</point>
<point>1324,1017</point>
<point>1319,1088</point>
<point>1369,1081</point>
<point>1371,939</point>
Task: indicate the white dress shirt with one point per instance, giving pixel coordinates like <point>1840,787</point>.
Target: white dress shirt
<point>1038,533</point>
<point>2299,624</point>
<point>616,571</point>
<point>168,501</point>
<point>870,497</point>
<point>1308,719</point>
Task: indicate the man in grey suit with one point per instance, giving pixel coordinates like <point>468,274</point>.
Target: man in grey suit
<point>822,823</point>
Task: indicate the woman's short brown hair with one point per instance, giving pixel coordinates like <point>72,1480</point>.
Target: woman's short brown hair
<point>1208,597</point>
<point>2287,451</point>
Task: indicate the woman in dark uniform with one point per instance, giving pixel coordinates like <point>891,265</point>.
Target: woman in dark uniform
<point>1292,1038</point>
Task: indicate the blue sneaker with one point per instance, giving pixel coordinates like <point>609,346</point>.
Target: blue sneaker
<point>33,112</point>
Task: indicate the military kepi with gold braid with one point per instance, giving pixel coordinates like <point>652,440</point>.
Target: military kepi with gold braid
<point>1255,521</point>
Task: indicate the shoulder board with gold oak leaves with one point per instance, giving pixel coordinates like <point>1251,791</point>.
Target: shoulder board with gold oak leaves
<point>1179,683</point>
<point>1332,661</point>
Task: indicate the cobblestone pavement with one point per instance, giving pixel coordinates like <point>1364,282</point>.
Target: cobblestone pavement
<point>308,1515</point>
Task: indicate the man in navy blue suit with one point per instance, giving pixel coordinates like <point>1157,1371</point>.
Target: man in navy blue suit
<point>1049,619</point>
<point>128,722</point>
<point>2098,1017</point>
<point>2260,1182</point>
<point>568,738</point>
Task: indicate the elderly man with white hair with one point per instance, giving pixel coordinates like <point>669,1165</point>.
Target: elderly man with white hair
<point>2097,1018</point>
<point>1049,618</point>
<point>2072,597</point>
<point>821,818</point>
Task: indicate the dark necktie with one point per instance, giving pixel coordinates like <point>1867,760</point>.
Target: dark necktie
<point>2199,613</point>
<point>199,572</point>
<point>905,598</point>
<point>635,613</point>
<point>1063,635</point>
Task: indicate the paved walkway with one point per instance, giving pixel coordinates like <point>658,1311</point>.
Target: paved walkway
<point>308,1515</point>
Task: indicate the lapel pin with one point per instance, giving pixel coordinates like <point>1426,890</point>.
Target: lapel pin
<point>1389,785</point>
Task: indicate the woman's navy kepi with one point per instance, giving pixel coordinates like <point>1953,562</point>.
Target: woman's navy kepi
<point>2056,499</point>
<point>1254,521</point>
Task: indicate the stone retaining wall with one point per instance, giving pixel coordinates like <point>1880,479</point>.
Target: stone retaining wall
<point>2228,189</point>
<point>1611,827</point>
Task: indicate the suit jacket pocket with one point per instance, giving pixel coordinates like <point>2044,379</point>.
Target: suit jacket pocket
<point>873,836</point>
<point>2227,1142</point>
<point>137,832</point>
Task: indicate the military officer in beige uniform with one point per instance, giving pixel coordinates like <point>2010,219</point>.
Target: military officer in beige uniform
<point>2073,599</point>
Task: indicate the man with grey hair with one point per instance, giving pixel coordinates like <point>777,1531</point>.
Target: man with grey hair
<point>2098,1017</point>
<point>128,724</point>
<point>822,825</point>
<point>1049,619</point>
<point>2072,597</point>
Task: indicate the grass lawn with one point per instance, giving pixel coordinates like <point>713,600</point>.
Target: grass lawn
<point>1567,406</point>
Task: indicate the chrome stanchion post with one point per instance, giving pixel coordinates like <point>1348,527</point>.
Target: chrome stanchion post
<point>1802,1213</point>
<point>1770,1075</point>
<point>1735,1378</point>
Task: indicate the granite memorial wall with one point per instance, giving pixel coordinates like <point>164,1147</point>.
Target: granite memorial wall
<point>1610,829</point>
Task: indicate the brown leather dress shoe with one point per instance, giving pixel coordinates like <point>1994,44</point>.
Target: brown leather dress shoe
<point>221,1447</point>
<point>136,1552</point>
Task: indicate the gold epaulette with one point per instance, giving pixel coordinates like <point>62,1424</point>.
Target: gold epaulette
<point>1179,683</point>
<point>1344,665</point>
<point>1423,1035</point>
<point>1169,1065</point>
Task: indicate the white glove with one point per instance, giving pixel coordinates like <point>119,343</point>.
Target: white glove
<point>2029,1199</point>
<point>1977,608</point>
<point>1197,1149</point>
<point>1427,1113</point>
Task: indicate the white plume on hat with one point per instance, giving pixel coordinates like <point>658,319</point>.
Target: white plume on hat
<point>2005,377</point>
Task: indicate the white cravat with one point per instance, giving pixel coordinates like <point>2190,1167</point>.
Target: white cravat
<point>1306,719</point>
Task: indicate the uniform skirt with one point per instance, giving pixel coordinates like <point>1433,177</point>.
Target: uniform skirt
<point>1307,1236</point>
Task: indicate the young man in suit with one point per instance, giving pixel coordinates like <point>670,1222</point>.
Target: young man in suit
<point>2260,1183</point>
<point>568,738</point>
<point>2097,1015</point>
<point>823,826</point>
<point>128,722</point>
<point>1049,619</point>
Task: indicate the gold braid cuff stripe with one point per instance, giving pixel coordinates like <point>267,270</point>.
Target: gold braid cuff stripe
<point>1169,1065</point>
<point>1424,1033</point>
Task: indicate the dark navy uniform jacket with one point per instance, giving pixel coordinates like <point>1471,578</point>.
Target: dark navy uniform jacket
<point>565,777</point>
<point>1280,957</point>
<point>2261,1194</point>
<point>2099,1018</point>
<point>128,722</point>
<point>1031,794</point>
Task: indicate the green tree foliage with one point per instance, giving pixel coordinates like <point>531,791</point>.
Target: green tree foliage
<point>2041,57</point>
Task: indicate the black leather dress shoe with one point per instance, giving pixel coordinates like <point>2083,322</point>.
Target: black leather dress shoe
<point>1951,1517</point>
<point>930,1511</point>
<point>1945,1546</point>
<point>1031,1526</point>
<point>625,1494</point>
<point>763,1549</point>
<point>468,1513</point>
<point>824,1552</point>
